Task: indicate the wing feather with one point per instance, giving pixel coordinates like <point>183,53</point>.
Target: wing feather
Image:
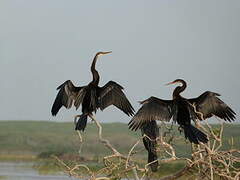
<point>208,104</point>
<point>67,94</point>
<point>112,94</point>
<point>153,109</point>
<point>80,96</point>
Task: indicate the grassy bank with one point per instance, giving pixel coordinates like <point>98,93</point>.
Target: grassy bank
<point>33,138</point>
<point>27,139</point>
<point>37,141</point>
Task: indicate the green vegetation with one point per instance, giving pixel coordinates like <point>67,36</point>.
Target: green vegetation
<point>29,140</point>
<point>26,139</point>
<point>45,138</point>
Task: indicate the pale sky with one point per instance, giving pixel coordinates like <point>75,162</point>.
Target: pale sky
<point>44,43</point>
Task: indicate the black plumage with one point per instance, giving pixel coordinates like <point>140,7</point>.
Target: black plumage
<point>182,111</point>
<point>91,97</point>
<point>152,109</point>
<point>208,104</point>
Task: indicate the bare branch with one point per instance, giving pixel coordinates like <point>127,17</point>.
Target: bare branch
<point>207,160</point>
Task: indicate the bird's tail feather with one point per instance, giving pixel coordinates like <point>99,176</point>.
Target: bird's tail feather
<point>81,123</point>
<point>151,131</point>
<point>194,135</point>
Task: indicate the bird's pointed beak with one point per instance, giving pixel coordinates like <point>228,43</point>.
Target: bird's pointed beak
<point>103,53</point>
<point>169,83</point>
<point>107,52</point>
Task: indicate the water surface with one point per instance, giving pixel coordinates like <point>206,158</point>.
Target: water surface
<point>25,171</point>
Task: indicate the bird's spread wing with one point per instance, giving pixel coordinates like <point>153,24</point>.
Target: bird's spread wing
<point>112,94</point>
<point>153,109</point>
<point>67,94</point>
<point>208,104</point>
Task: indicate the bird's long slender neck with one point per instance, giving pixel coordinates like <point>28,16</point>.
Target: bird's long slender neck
<point>179,89</point>
<point>94,71</point>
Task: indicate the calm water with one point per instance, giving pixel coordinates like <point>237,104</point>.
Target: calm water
<point>24,171</point>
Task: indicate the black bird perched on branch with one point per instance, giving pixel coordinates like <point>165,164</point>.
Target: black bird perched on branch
<point>182,111</point>
<point>91,97</point>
